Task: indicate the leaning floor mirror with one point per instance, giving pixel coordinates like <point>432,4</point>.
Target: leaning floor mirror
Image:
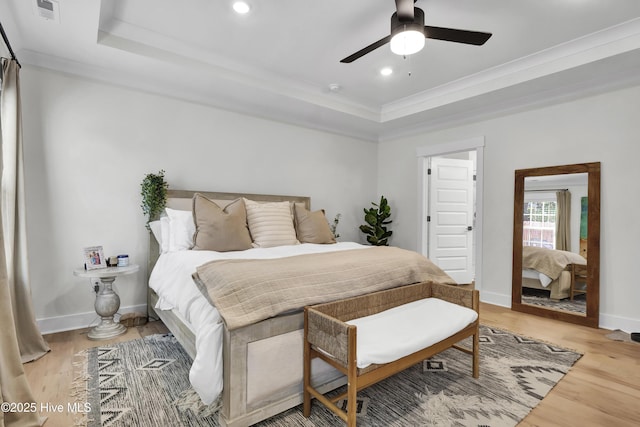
<point>556,242</point>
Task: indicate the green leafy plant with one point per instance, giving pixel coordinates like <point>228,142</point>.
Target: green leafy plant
<point>376,219</point>
<point>154,195</point>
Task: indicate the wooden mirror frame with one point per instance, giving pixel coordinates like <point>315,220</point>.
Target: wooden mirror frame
<point>593,244</point>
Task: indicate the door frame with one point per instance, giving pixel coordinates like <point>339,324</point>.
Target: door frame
<point>423,153</point>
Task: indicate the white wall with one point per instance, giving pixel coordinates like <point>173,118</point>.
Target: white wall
<point>88,146</point>
<point>601,128</point>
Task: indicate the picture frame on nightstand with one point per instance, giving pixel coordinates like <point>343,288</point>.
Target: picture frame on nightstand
<point>94,258</point>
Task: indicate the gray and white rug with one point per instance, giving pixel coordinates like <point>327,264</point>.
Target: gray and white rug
<point>541,298</point>
<point>145,383</point>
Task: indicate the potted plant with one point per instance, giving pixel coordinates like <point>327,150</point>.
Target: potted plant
<point>154,195</point>
<point>376,219</point>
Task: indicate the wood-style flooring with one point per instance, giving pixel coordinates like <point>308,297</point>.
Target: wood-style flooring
<point>602,388</point>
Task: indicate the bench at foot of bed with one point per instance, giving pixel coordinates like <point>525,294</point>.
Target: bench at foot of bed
<point>371,337</point>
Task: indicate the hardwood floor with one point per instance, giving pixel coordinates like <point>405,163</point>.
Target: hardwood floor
<point>602,388</point>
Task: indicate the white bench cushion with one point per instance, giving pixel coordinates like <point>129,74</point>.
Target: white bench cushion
<point>392,334</point>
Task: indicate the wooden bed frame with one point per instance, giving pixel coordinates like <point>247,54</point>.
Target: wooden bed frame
<point>558,288</point>
<point>562,287</point>
<point>238,409</point>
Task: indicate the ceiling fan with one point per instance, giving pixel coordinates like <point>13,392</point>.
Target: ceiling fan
<point>408,33</point>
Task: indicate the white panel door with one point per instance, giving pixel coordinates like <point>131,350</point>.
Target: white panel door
<point>450,226</point>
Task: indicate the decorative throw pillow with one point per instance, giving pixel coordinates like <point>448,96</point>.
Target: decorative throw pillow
<point>181,229</point>
<point>270,223</point>
<point>218,229</point>
<point>312,227</point>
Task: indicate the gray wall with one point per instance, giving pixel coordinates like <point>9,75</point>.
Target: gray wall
<point>88,146</point>
<point>601,128</point>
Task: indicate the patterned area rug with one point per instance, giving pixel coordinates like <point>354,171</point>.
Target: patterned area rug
<point>144,383</point>
<point>541,298</point>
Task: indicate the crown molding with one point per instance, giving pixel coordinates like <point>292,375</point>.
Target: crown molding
<point>509,88</point>
<point>305,115</point>
<point>606,43</point>
<point>133,39</point>
<point>500,104</point>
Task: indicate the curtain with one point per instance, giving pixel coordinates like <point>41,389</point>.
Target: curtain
<point>20,339</point>
<point>563,220</point>
<point>32,345</point>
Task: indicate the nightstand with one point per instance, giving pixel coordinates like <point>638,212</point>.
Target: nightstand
<point>107,301</point>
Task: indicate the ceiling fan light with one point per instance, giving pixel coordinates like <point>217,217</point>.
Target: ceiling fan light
<point>241,7</point>
<point>407,42</point>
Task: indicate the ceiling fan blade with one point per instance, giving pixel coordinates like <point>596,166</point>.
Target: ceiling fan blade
<point>366,50</point>
<point>459,36</point>
<point>405,9</point>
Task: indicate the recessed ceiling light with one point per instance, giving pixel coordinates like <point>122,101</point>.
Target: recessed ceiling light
<point>386,71</point>
<point>241,7</point>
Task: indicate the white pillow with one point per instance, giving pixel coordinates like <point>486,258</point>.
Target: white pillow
<point>270,224</point>
<point>181,229</point>
<point>164,233</point>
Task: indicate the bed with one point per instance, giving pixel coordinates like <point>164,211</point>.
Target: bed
<point>256,373</point>
<point>553,270</point>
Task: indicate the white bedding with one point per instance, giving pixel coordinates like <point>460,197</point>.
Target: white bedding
<point>533,274</point>
<point>171,280</point>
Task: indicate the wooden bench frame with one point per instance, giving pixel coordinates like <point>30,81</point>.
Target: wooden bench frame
<point>328,337</point>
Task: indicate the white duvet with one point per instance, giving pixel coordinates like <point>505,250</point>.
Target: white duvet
<point>533,274</point>
<point>171,279</point>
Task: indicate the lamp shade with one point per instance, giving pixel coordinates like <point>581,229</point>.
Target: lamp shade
<point>407,35</point>
<point>407,42</point>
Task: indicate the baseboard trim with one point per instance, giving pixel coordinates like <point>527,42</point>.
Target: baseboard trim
<point>50,325</point>
<point>495,298</point>
<point>612,322</point>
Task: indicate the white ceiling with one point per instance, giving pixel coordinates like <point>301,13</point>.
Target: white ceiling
<point>278,61</point>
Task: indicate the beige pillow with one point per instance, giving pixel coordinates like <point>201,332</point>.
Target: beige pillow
<point>312,227</point>
<point>220,229</point>
<point>270,223</point>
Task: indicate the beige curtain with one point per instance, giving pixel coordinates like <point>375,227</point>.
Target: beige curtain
<point>563,220</point>
<point>18,331</point>
<point>32,345</point>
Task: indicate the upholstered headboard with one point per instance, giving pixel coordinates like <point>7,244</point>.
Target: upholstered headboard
<point>183,199</point>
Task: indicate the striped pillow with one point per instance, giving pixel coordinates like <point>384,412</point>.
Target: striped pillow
<point>270,224</point>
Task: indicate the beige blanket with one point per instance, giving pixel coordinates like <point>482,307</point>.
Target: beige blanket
<point>549,261</point>
<point>248,291</point>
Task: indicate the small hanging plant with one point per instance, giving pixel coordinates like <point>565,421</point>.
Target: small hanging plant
<point>376,220</point>
<point>154,195</point>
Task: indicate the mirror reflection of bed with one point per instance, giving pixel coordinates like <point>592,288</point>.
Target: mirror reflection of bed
<point>556,253</point>
<point>554,242</point>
